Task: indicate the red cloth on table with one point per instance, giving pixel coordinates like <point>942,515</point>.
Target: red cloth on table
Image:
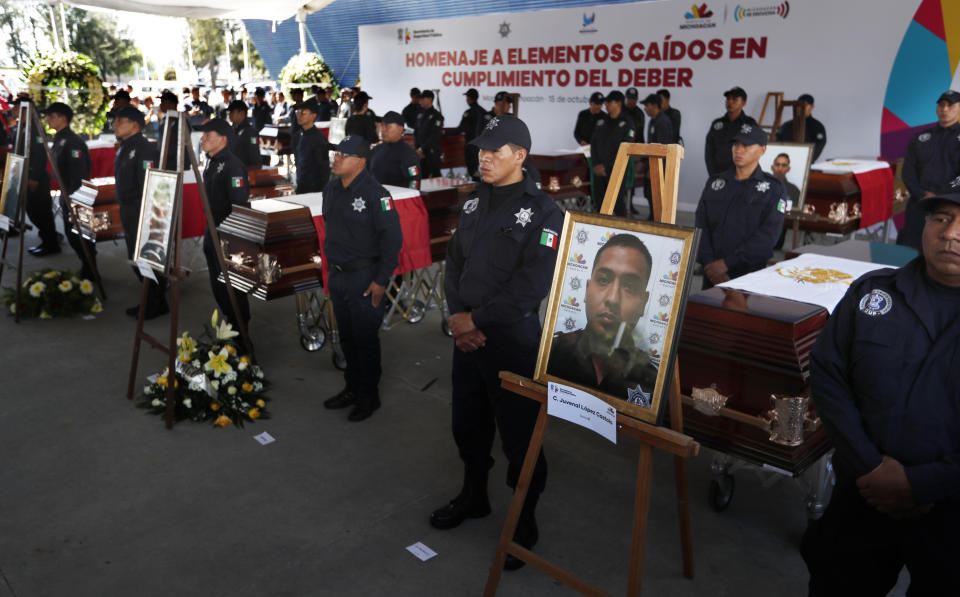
<point>415,251</point>
<point>101,165</point>
<point>876,196</point>
<point>194,222</point>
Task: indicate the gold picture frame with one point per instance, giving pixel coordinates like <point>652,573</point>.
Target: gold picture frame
<point>12,181</point>
<point>800,156</point>
<point>159,210</point>
<point>608,331</point>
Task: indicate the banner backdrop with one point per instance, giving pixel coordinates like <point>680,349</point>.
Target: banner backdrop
<point>840,52</point>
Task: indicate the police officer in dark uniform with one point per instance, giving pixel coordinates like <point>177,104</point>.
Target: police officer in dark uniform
<point>134,156</point>
<point>168,103</point>
<point>470,125</point>
<point>296,96</point>
<point>501,105</point>
<point>661,130</point>
<point>413,110</point>
<point>499,268</point>
<point>362,247</point>
<point>262,113</point>
<point>226,182</point>
<point>931,165</point>
<point>313,157</point>
<point>72,157</point>
<point>394,162</point>
<point>588,119</point>
<point>672,113</point>
<point>243,140</point>
<point>722,130</point>
<point>39,206</point>
<point>884,381</point>
<point>609,133</point>
<point>631,109</point>
<point>362,122</point>
<point>813,131</point>
<point>428,136</point>
<point>740,212</point>
<point>197,106</point>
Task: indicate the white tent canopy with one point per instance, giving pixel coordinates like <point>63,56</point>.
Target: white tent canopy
<point>275,10</point>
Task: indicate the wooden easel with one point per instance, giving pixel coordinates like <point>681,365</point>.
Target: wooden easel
<point>178,273</point>
<point>777,97</point>
<point>664,179</point>
<point>21,147</point>
<point>799,119</point>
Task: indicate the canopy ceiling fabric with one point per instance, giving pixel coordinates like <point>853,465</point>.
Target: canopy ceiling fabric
<point>275,10</point>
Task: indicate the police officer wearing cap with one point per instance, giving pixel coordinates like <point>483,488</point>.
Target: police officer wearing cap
<point>501,105</point>
<point>362,121</point>
<point>197,106</point>
<point>609,133</point>
<point>740,212</point>
<point>635,111</point>
<point>498,270</point>
<point>39,206</point>
<point>722,130</point>
<point>931,165</point>
<point>587,119</point>
<point>168,103</point>
<point>226,182</point>
<point>672,113</point>
<point>471,123</point>
<point>362,246</point>
<point>313,157</point>
<point>243,140</point>
<point>413,110</point>
<point>134,156</point>
<point>884,382</point>
<point>660,130</point>
<point>428,136</point>
<point>72,157</point>
<point>394,162</point>
<point>261,111</point>
<point>813,131</point>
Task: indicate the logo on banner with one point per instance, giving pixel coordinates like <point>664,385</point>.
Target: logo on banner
<point>670,277</point>
<point>569,324</point>
<point>577,261</point>
<point>698,17</point>
<point>571,302</point>
<point>416,34</point>
<point>779,10</point>
<point>587,26</point>
<point>654,338</point>
<point>675,258</point>
<point>504,29</point>
<point>575,283</point>
<point>660,318</point>
<point>582,236</point>
<point>664,300</point>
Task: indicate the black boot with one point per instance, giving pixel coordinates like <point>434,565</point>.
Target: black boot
<point>343,399</point>
<point>364,407</point>
<point>471,503</point>
<point>527,533</point>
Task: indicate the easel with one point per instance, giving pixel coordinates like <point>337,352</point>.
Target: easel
<point>777,97</point>
<point>664,182</point>
<point>799,119</point>
<point>21,147</point>
<point>178,273</point>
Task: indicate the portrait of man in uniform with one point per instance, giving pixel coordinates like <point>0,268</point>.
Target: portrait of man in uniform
<point>11,186</point>
<point>790,164</point>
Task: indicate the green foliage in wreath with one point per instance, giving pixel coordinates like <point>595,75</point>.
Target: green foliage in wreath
<point>51,293</point>
<point>304,70</point>
<point>73,79</point>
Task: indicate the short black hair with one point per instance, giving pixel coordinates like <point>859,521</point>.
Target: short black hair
<point>414,91</point>
<point>782,155</point>
<point>628,241</point>
<point>663,93</point>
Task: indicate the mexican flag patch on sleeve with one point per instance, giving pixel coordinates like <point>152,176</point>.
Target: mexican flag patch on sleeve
<point>147,164</point>
<point>253,140</point>
<point>75,153</point>
<point>782,206</point>
<point>413,171</point>
<point>236,182</point>
<point>386,204</point>
<point>548,238</point>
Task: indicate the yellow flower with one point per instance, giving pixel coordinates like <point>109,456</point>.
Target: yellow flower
<point>247,386</point>
<point>261,403</point>
<point>86,287</point>
<point>162,381</point>
<point>45,315</point>
<point>65,286</point>
<point>13,308</point>
<point>218,363</point>
<point>37,288</point>
<point>51,275</point>
<point>222,421</point>
<point>187,347</point>
<point>97,307</point>
<point>229,348</point>
<point>245,359</point>
<point>253,413</point>
<point>214,406</point>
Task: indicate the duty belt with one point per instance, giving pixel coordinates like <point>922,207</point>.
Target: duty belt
<point>355,266</point>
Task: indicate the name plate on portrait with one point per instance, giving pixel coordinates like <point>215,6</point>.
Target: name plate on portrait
<point>582,408</point>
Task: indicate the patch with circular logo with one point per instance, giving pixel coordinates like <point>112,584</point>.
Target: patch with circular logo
<point>718,184</point>
<point>924,137</point>
<point>471,205</point>
<point>717,126</point>
<point>876,302</point>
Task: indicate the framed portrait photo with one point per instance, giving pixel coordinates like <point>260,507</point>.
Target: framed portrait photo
<point>613,316</point>
<point>12,180</point>
<point>158,212</point>
<point>790,162</point>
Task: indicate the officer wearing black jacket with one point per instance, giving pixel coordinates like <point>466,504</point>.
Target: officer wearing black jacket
<point>226,182</point>
<point>813,130</point>
<point>243,140</point>
<point>168,103</point>
<point>609,133</point>
<point>72,157</point>
<point>412,111</point>
<point>394,162</point>
<point>134,156</point>
<point>296,97</point>
<point>884,381</point>
<point>740,212</point>
<point>362,122</point>
<point>499,268</point>
<point>661,129</point>
<point>362,246</point>
<point>428,136</point>
<point>39,205</point>
<point>635,111</point>
<point>588,119</point>
<point>470,125</point>
<point>931,165</point>
<point>313,157</point>
<point>722,130</point>
<point>262,113</point>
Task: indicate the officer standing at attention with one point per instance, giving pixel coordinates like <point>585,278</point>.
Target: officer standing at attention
<point>672,113</point>
<point>587,119</point>
<point>508,222</point>
<point>813,131</point>
<point>740,212</point>
<point>313,157</point>
<point>611,131</point>
<point>394,162</point>
<point>262,113</point>
<point>225,179</point>
<point>471,123</point>
<point>660,130</point>
<point>72,157</point>
<point>631,109</point>
<point>296,97</point>
<point>134,156</point>
<point>931,165</point>
<point>722,130</point>
<point>362,122</point>
<point>243,142</point>
<point>884,381</point>
<point>428,136</point>
<point>39,205</point>
<point>168,103</point>
<point>362,247</point>
<point>412,111</point>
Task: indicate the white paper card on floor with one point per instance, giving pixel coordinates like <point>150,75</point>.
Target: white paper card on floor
<point>420,550</point>
<point>583,409</point>
<point>264,438</point>
<point>146,271</point>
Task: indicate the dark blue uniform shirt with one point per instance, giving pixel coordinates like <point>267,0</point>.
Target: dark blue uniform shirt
<point>246,144</point>
<point>813,132</point>
<point>411,115</point>
<point>363,125</point>
<point>932,161</point>
<point>470,122</point>
<point>661,130</point>
<point>313,161</point>
<point>717,152</point>
<point>362,223</point>
<point>884,377</point>
<point>639,119</point>
<point>740,220</point>
<point>429,131</point>
<point>395,164</point>
<point>72,158</point>
<point>262,115</point>
<point>500,265</point>
<point>607,137</point>
<point>586,124</point>
<point>226,182</point>
<point>134,156</point>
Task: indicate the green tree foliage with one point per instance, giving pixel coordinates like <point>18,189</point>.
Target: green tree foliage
<point>26,29</point>
<point>207,43</point>
<point>236,53</point>
<point>97,35</point>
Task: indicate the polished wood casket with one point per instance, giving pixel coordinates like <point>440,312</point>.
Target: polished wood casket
<point>443,197</point>
<point>746,347</point>
<point>271,249</point>
<point>832,204</point>
<point>276,139</point>
<point>267,183</point>
<point>96,210</point>
<point>562,175</point>
<point>452,146</point>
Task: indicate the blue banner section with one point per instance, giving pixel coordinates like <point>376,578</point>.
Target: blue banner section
<point>920,73</point>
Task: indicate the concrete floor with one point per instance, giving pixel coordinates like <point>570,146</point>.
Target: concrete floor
<point>100,499</point>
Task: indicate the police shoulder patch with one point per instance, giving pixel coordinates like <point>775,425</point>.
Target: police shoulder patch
<point>718,184</point>
<point>717,125</point>
<point>876,302</point>
<point>623,123</point>
<point>923,137</point>
<point>600,122</point>
<point>471,205</point>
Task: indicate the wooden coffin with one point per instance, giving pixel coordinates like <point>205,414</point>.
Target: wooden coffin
<point>96,210</point>
<point>271,249</point>
<point>276,139</point>
<point>832,204</point>
<point>267,183</point>
<point>442,197</point>
<point>748,346</point>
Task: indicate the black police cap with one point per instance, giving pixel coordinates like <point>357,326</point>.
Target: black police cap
<point>751,134</point>
<point>392,117</point>
<point>169,96</point>
<point>596,97</point>
<point>736,92</point>
<point>654,99</point>
<point>472,93</point>
<point>427,93</point>
<point>237,105</point>
<point>949,96</point>
<point>614,96</point>
<point>216,125</point>
<point>310,104</point>
<point>502,96</point>
<point>501,130</point>
<point>59,108</point>
<point>806,98</point>
<point>121,94</point>
<point>130,113</point>
<point>354,145</point>
<point>632,93</point>
<point>929,203</point>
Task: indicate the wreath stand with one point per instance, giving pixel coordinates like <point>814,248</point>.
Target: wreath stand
<point>664,201</point>
<point>178,273</point>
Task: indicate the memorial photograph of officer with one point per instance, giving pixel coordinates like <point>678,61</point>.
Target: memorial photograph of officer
<point>790,164</point>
